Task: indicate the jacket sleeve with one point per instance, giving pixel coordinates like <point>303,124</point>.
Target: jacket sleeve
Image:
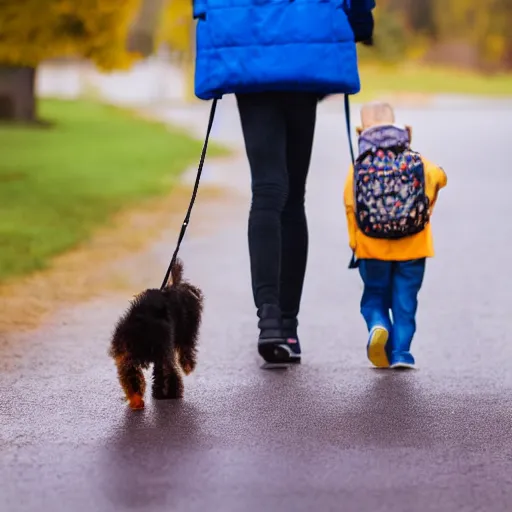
<point>436,179</point>
<point>361,20</point>
<point>348,197</point>
<point>359,6</point>
<point>198,9</point>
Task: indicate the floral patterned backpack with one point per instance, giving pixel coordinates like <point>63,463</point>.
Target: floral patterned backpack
<point>389,192</point>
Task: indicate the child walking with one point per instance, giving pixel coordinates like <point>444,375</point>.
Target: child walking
<point>389,197</point>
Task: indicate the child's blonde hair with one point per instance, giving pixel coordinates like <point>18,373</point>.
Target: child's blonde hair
<point>377,113</point>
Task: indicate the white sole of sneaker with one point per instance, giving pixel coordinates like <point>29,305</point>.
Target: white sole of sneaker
<point>403,366</point>
<point>377,347</point>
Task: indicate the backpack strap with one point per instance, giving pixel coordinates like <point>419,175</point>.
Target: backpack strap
<point>354,263</point>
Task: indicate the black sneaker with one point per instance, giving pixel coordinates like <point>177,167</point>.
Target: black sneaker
<point>290,332</point>
<point>273,344</point>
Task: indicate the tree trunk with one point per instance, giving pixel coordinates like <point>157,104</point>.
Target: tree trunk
<point>507,59</point>
<point>141,37</point>
<point>17,93</point>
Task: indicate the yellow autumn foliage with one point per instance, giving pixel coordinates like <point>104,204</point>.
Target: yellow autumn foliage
<point>177,25</point>
<point>35,30</point>
<point>486,24</point>
<point>481,28</point>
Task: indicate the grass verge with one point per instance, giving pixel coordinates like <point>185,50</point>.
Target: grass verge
<point>411,78</point>
<point>58,184</point>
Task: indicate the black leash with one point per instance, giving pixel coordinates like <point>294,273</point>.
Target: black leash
<point>349,129</point>
<point>194,194</point>
<point>354,263</point>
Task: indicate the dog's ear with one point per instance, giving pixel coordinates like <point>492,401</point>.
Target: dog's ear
<point>409,132</point>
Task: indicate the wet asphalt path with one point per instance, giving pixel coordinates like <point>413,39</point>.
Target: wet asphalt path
<point>330,435</point>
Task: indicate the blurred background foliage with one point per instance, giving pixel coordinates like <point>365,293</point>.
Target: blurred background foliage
<point>467,34</point>
<point>35,30</point>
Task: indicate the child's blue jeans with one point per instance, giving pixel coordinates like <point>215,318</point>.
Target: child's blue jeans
<point>392,286</point>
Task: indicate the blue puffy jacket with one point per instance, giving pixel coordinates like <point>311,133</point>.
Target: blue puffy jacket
<point>279,45</point>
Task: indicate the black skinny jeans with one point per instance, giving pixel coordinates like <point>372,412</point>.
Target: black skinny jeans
<point>278,130</point>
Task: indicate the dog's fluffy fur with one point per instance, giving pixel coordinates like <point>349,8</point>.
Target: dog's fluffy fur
<point>160,328</point>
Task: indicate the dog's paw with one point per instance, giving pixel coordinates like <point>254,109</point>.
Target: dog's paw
<point>188,367</point>
<point>171,394</point>
<point>170,391</point>
<point>136,402</point>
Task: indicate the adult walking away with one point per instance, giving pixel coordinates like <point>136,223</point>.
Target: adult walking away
<point>279,58</point>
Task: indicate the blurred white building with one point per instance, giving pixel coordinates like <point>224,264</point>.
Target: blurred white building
<point>153,80</point>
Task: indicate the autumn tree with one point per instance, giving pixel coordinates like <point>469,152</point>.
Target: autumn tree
<point>144,35</point>
<point>176,28</point>
<point>482,26</point>
<point>32,31</point>
<point>485,25</point>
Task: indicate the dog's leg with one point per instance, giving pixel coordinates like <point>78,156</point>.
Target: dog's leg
<point>187,357</point>
<point>174,381</point>
<point>132,380</point>
<point>186,336</point>
<point>167,381</point>
<point>158,381</point>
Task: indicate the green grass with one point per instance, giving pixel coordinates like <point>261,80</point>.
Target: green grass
<point>58,184</point>
<point>377,80</point>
